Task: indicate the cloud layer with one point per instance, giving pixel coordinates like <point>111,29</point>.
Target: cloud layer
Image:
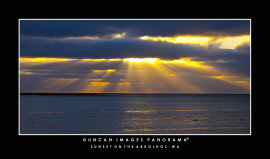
<point>64,28</point>
<point>110,39</point>
<point>235,60</point>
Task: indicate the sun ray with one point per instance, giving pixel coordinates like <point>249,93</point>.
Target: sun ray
<point>95,87</point>
<point>235,80</point>
<point>153,75</point>
<point>142,75</point>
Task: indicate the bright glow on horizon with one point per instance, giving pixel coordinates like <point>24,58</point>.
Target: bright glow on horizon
<point>138,60</point>
<point>44,59</point>
<point>109,70</point>
<point>186,61</point>
<point>226,42</point>
<point>106,37</point>
<point>59,59</point>
<point>232,42</point>
<point>179,39</point>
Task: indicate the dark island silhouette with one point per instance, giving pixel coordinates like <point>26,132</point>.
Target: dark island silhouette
<point>115,94</point>
<point>44,94</point>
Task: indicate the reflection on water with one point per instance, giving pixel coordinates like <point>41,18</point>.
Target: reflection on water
<point>202,114</point>
<point>194,115</point>
<point>143,111</point>
<point>181,129</point>
<point>156,111</point>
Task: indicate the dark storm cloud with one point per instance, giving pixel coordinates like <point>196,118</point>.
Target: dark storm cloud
<point>117,48</point>
<point>192,27</point>
<point>244,47</point>
<point>239,67</point>
<point>74,66</point>
<point>63,28</point>
<point>67,28</point>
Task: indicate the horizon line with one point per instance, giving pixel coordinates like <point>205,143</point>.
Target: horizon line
<point>99,93</point>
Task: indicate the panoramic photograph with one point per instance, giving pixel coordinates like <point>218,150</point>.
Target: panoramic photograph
<point>134,76</point>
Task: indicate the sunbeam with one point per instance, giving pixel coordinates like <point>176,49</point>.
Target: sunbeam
<point>128,75</point>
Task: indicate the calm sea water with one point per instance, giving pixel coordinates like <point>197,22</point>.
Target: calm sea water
<point>135,114</point>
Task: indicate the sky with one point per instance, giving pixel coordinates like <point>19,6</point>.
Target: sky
<point>135,56</point>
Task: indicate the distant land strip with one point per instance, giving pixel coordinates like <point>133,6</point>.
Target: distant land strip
<point>89,94</point>
<point>116,94</point>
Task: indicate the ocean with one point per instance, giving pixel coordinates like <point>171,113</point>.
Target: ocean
<point>135,114</point>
